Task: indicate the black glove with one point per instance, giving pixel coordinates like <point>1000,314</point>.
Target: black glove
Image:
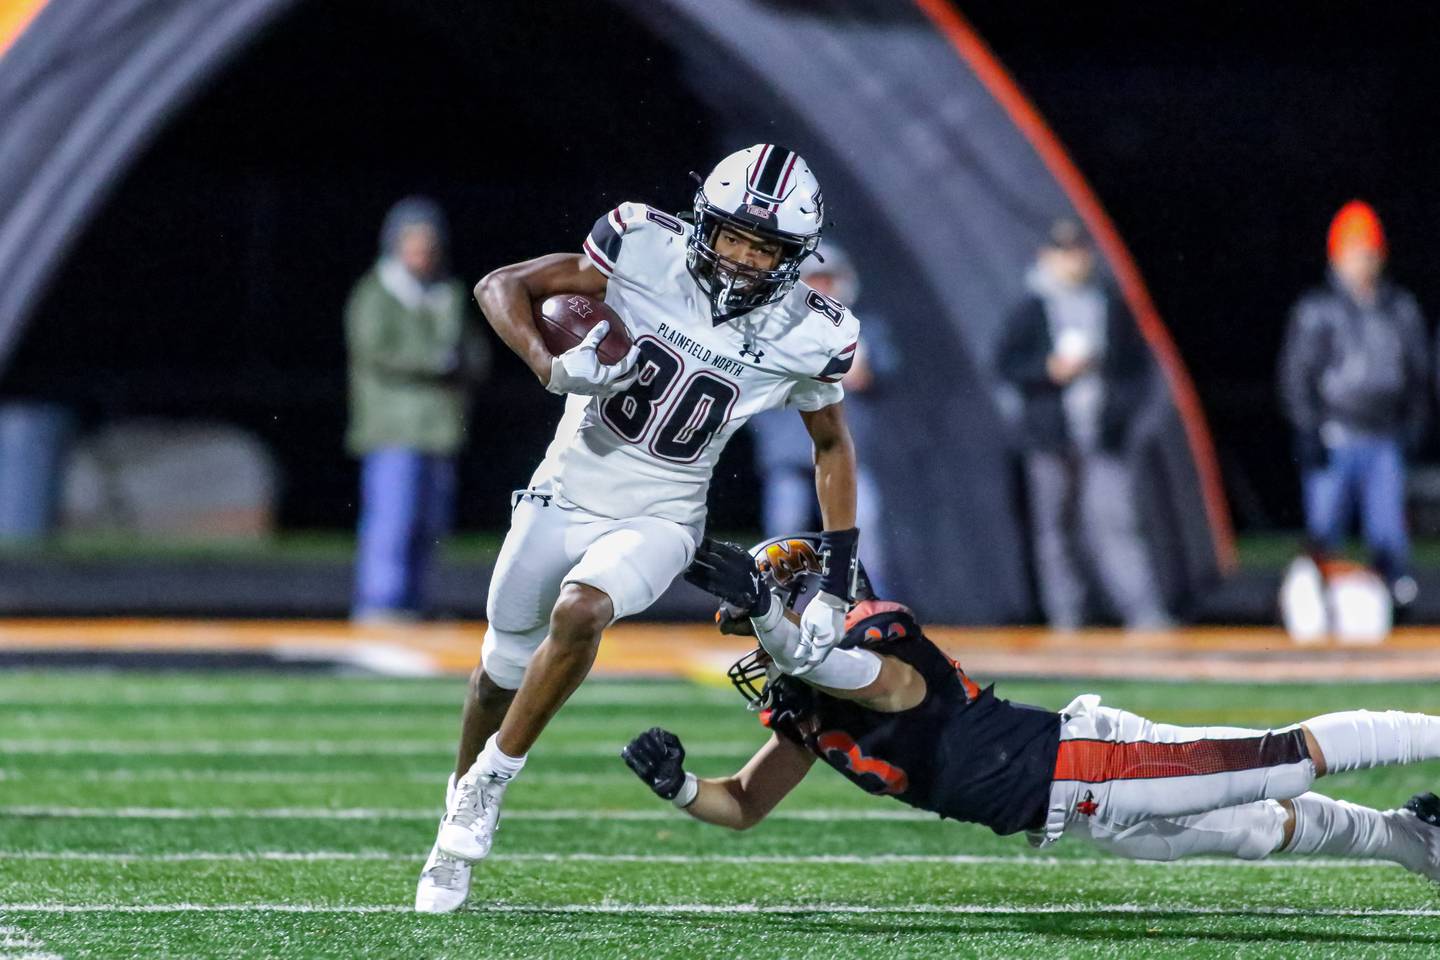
<point>657,757</point>
<point>729,572</point>
<point>734,622</point>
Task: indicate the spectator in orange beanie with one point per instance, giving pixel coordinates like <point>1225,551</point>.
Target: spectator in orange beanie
<point>1354,383</point>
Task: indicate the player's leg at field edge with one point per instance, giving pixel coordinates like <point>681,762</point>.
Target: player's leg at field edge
<point>1287,834</point>
<point>1363,739</point>
<point>558,667</point>
<point>1317,757</point>
<point>485,706</point>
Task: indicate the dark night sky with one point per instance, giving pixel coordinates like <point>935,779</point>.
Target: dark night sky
<point>1221,138</point>
<point>1220,142</point>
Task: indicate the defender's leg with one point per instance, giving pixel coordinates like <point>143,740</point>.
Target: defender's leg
<point>1309,825</point>
<point>1118,769</point>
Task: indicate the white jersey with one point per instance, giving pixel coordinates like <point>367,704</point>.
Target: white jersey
<point>650,451</point>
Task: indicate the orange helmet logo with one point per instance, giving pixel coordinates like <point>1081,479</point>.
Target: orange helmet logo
<point>787,559</point>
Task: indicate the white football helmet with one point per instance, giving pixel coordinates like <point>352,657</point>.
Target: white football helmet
<point>765,190</point>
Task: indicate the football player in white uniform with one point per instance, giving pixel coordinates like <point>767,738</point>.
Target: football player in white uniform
<point>722,330</point>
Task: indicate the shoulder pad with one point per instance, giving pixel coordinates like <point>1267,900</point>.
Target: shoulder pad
<point>602,246</point>
<point>872,622</point>
<point>606,238</point>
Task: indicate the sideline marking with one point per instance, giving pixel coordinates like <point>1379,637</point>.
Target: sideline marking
<point>610,693</point>
<point>200,775</point>
<point>883,859</point>
<point>425,813</point>
<point>360,747</point>
<point>707,909</point>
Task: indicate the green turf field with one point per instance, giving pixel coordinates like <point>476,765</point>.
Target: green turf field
<point>203,815</point>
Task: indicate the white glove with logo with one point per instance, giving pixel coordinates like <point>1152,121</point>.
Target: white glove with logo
<point>822,626</point>
<point>579,370</point>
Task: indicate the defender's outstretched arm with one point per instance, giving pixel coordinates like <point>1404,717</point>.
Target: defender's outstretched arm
<point>506,296</point>
<point>739,801</point>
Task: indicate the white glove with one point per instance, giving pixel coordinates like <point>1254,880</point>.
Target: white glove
<point>579,370</point>
<point>822,626</point>
<point>841,670</point>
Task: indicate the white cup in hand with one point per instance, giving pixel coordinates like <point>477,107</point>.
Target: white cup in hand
<point>1074,346</point>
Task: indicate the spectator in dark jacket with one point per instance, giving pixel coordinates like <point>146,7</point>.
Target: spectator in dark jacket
<point>1354,382</point>
<point>1072,350</point>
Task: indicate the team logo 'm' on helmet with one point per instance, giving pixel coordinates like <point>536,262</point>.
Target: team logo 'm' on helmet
<point>765,191</point>
<point>792,564</point>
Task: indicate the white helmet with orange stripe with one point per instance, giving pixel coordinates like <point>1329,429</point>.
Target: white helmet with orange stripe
<point>764,191</point>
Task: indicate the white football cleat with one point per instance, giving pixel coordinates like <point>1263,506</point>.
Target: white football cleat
<point>444,883</point>
<point>470,823</point>
<point>1420,820</point>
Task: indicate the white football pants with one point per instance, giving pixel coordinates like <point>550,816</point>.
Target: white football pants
<point>552,543</point>
<point>1116,770</point>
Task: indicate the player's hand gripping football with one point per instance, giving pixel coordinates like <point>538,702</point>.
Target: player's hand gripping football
<point>579,370</point>
<point>822,623</point>
<point>729,572</point>
<point>658,758</point>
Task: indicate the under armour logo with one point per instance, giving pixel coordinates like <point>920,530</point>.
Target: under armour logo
<point>745,351</point>
<point>580,305</point>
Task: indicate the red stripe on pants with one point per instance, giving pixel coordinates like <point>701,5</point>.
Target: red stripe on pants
<point>1096,761</point>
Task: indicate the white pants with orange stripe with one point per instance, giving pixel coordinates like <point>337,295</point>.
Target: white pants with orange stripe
<point>1120,777</point>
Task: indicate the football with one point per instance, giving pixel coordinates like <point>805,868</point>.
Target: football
<point>565,318</point>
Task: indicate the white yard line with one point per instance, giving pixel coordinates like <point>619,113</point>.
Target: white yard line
<point>596,695</point>
<point>190,775</point>
<point>358,748</point>
<point>708,909</point>
<point>424,813</point>
<point>886,859</point>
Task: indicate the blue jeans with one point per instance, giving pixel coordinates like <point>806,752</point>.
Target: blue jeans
<point>1370,473</point>
<point>406,501</point>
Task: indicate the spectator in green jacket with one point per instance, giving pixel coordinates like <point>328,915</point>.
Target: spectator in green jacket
<point>414,354</point>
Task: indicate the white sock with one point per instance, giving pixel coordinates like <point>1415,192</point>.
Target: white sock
<point>1326,827</point>
<point>1360,739</point>
<point>497,762</point>
<point>1250,831</point>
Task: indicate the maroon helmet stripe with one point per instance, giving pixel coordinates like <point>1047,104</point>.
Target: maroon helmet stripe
<point>759,165</point>
<point>785,180</point>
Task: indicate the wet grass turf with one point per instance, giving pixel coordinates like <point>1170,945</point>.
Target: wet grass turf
<point>239,816</point>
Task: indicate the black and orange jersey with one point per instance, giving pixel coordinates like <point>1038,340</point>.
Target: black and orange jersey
<point>962,753</point>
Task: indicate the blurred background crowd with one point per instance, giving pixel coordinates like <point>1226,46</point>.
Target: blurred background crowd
<point>225,360</point>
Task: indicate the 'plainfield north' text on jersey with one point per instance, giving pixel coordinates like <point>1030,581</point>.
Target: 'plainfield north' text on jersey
<point>651,450</point>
